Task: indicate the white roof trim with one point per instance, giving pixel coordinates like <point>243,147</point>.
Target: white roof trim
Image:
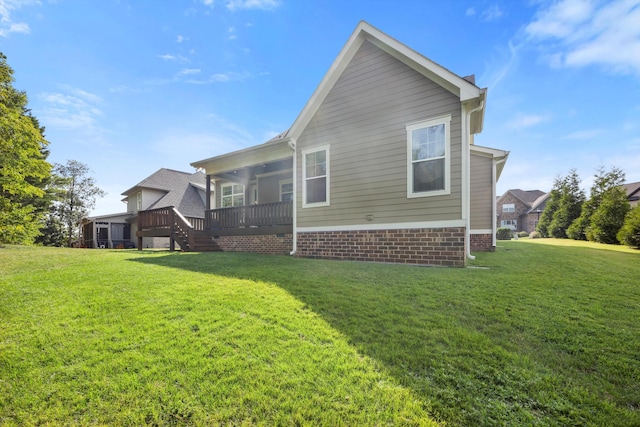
<point>364,31</point>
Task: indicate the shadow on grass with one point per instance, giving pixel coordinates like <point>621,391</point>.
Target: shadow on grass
<point>457,337</point>
<point>382,310</point>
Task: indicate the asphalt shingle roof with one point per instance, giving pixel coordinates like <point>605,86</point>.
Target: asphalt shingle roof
<point>182,190</point>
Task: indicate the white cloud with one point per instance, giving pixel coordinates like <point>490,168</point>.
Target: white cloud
<point>522,121</point>
<point>222,78</point>
<point>188,71</point>
<point>234,5</point>
<point>7,24</point>
<point>470,12</point>
<point>73,109</point>
<point>576,33</point>
<point>583,135</point>
<point>492,13</point>
<point>169,57</point>
<point>181,39</point>
<point>232,33</point>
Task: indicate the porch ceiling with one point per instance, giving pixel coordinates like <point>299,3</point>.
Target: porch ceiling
<point>244,174</point>
<point>258,155</point>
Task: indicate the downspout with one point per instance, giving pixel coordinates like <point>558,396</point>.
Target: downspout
<point>468,183</point>
<point>292,145</point>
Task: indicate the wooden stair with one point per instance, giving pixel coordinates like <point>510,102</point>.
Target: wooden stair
<point>170,223</point>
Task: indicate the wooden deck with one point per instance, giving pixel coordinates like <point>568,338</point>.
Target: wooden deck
<point>197,234</point>
<point>262,215</point>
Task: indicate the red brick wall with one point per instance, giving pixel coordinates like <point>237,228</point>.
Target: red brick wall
<point>261,244</point>
<point>482,242</point>
<point>437,246</point>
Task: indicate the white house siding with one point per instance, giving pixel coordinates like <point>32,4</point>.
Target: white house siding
<point>481,192</point>
<point>363,119</point>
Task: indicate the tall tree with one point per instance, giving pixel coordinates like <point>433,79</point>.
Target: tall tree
<point>78,197</point>
<point>544,223</point>
<point>23,166</point>
<point>606,189</point>
<point>569,206</point>
<point>629,234</point>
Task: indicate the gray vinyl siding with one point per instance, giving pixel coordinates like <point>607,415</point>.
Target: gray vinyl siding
<point>269,187</point>
<point>363,119</point>
<point>481,193</point>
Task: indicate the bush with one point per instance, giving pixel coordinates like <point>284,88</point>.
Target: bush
<point>503,233</point>
<point>523,234</point>
<point>629,234</point>
<point>534,235</point>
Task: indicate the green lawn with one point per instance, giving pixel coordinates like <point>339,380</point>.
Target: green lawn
<point>538,334</point>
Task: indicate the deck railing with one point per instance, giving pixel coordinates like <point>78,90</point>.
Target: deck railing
<point>164,218</point>
<point>261,215</point>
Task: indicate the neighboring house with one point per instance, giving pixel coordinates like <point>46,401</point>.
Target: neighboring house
<point>633,193</point>
<point>163,189</point>
<point>380,165</point>
<point>520,210</point>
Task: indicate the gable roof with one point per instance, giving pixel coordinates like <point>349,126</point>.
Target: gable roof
<point>633,190</point>
<point>540,203</point>
<point>465,89</point>
<point>527,197</point>
<point>181,190</point>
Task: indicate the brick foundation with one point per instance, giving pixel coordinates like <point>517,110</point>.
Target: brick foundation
<point>436,246</point>
<point>261,244</point>
<point>482,242</point>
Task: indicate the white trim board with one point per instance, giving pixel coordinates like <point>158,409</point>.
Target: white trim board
<point>388,226</point>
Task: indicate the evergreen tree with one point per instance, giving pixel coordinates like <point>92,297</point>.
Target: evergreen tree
<point>608,218</point>
<point>553,202</point>
<point>24,170</point>
<point>603,187</point>
<point>569,206</point>
<point>629,234</point>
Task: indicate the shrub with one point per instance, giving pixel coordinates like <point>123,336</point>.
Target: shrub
<point>629,234</point>
<point>523,234</point>
<point>534,235</point>
<point>503,233</point>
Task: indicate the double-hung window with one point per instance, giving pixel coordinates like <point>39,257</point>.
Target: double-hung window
<point>509,207</point>
<point>232,195</point>
<point>428,157</point>
<point>286,190</point>
<point>315,186</point>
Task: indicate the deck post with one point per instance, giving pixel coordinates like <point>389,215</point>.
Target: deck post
<point>139,243</point>
<point>172,221</point>
<point>208,192</point>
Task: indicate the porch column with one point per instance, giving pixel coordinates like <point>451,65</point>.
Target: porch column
<point>208,201</point>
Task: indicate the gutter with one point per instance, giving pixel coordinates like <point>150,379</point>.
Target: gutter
<point>292,145</point>
<point>468,183</point>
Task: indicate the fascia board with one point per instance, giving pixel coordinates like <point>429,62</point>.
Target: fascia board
<point>447,79</point>
<point>493,152</point>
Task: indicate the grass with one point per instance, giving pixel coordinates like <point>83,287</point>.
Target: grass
<point>541,334</point>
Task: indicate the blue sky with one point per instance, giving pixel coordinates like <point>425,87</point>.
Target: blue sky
<point>130,86</point>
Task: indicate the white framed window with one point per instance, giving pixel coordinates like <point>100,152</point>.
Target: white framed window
<point>510,223</point>
<point>428,146</point>
<point>315,177</point>
<point>509,207</point>
<point>286,190</point>
<point>232,195</point>
<point>139,200</point>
